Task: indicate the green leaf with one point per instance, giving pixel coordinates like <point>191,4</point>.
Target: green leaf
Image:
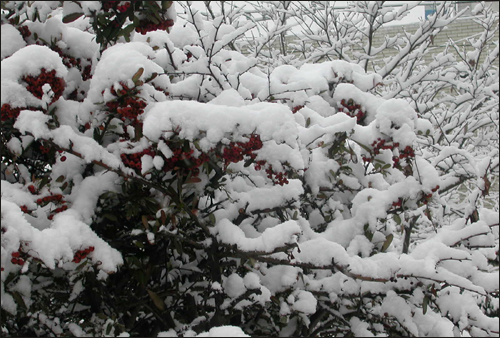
<point>212,219</point>
<point>111,217</point>
<point>178,247</point>
<point>166,5</point>
<point>71,17</point>
<point>388,241</point>
<point>154,75</point>
<point>322,196</point>
<point>19,299</point>
<point>397,219</point>
<point>248,162</point>
<point>369,235</point>
<point>126,31</point>
<point>156,300</point>
<point>102,316</point>
<point>81,266</point>
<point>43,182</point>
<point>308,122</point>
<point>163,217</point>
<point>60,179</point>
<point>363,146</point>
<point>424,304</point>
<point>108,328</point>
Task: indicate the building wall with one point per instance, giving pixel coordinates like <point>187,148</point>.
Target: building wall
<point>458,31</point>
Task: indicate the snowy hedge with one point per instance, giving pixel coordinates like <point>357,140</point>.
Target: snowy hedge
<point>157,182</point>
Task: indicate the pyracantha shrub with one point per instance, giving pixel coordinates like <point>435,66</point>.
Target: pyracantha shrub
<point>179,189</point>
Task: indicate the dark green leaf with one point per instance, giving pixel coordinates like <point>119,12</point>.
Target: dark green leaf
<point>425,303</point>
<point>111,217</point>
<point>363,146</point>
<point>397,219</point>
<point>388,241</point>
<point>108,328</point>
<point>19,300</point>
<point>71,17</point>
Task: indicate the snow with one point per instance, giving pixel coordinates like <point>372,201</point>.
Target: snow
<point>270,239</point>
<point>234,285</point>
<point>224,331</point>
<point>305,302</point>
<point>20,64</point>
<point>16,42</point>
<point>337,213</point>
<point>270,121</point>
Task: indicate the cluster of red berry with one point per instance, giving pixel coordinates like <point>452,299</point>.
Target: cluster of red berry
<point>82,254</point>
<point>123,8</point>
<point>134,160</point>
<point>296,109</point>
<point>146,25</point>
<point>56,211</point>
<point>107,5</point>
<point>35,83</point>
<point>179,156</point>
<point>277,178</point>
<point>427,197</point>
<point>235,151</point>
<point>56,198</point>
<point>71,62</point>
<point>7,112</point>
<point>398,203</point>
<point>407,152</point>
<point>352,109</point>
<point>380,144</point>
<point>44,150</point>
<point>126,104</point>
<point>25,32</point>
<point>17,259</point>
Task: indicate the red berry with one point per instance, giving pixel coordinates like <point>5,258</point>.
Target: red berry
<point>14,260</point>
<point>63,158</point>
<point>16,254</point>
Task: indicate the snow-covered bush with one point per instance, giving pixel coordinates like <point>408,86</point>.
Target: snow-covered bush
<point>161,183</point>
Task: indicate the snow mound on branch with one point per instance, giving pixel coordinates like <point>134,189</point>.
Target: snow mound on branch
<point>15,39</point>
<point>224,331</point>
<point>119,63</point>
<point>272,238</point>
<point>210,124</point>
<point>66,236</point>
<point>22,63</point>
